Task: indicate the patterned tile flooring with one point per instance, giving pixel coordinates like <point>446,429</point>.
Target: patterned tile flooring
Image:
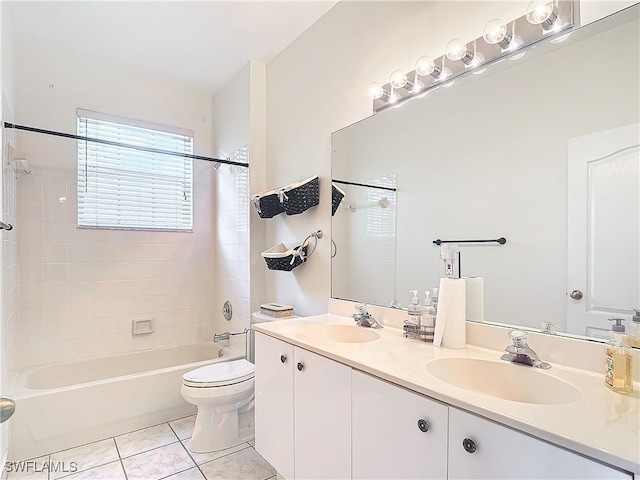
<point>154,453</point>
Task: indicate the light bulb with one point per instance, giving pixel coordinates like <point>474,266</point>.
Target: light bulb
<point>397,79</point>
<point>456,49</point>
<point>494,31</point>
<point>425,66</point>
<point>541,12</point>
<point>376,91</point>
<point>497,32</point>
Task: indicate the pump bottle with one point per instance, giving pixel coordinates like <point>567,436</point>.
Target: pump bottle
<point>415,310</point>
<point>618,360</point>
<point>634,334</point>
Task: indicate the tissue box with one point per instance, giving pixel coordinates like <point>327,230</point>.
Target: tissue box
<point>276,310</point>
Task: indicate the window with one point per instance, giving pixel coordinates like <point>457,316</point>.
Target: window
<point>381,220</point>
<point>123,187</point>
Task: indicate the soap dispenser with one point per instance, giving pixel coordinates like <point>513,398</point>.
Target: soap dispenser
<point>618,360</point>
<point>634,335</point>
<point>429,315</point>
<point>415,310</point>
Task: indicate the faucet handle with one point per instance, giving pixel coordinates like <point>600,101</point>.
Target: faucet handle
<point>361,308</point>
<point>518,337</point>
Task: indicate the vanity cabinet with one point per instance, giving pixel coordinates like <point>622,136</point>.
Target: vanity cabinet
<point>482,449</point>
<point>303,411</point>
<point>409,428</point>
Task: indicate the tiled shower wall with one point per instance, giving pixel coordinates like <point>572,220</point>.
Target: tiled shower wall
<point>80,289</point>
<point>232,242</point>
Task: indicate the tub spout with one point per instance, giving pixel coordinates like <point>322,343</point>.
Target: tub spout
<point>221,336</point>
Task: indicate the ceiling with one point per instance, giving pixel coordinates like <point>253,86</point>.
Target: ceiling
<point>201,44</point>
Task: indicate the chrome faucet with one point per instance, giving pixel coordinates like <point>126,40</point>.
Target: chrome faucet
<point>520,352</point>
<point>364,318</point>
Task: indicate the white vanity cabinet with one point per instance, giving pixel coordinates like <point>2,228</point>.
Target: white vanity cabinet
<point>482,449</point>
<point>396,433</point>
<point>303,411</point>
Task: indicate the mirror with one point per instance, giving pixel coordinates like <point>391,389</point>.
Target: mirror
<point>518,152</point>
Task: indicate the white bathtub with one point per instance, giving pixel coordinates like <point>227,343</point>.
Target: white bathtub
<point>65,405</point>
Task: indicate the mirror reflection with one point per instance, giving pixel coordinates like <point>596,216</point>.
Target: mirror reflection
<point>542,151</point>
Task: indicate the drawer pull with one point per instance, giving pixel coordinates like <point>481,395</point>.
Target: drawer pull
<point>300,366</point>
<point>283,358</point>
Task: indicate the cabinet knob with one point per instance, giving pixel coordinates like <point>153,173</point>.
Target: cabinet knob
<point>423,425</point>
<point>300,366</point>
<point>283,358</point>
<point>469,445</point>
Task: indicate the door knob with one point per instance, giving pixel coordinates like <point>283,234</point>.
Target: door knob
<point>576,294</point>
<point>7,407</point>
<point>423,425</point>
<point>469,445</point>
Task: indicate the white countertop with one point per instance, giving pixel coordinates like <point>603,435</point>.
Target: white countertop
<point>601,424</point>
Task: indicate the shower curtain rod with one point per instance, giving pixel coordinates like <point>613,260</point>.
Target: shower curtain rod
<point>124,145</point>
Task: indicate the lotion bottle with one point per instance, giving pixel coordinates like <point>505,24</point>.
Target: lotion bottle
<point>415,310</point>
<point>429,315</point>
<point>618,360</point>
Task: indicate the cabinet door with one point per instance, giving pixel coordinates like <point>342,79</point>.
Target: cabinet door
<point>322,391</point>
<point>494,451</point>
<point>274,403</point>
<point>389,438</point>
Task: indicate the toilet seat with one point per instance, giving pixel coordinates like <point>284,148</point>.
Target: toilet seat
<point>219,374</point>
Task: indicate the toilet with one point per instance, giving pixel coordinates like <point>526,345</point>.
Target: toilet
<point>224,394</point>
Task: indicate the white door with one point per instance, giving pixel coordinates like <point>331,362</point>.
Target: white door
<point>274,403</point>
<point>603,276</point>
<point>413,430</point>
<point>322,418</point>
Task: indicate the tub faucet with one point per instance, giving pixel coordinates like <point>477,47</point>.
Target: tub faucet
<point>364,318</point>
<point>520,352</point>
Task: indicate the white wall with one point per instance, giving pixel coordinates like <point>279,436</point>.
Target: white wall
<point>80,288</point>
<point>318,85</point>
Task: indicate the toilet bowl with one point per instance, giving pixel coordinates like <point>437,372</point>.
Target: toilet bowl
<point>224,395</point>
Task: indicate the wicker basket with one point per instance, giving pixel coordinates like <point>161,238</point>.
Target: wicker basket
<point>285,256</point>
<point>337,196</point>
<point>301,196</point>
<point>268,204</point>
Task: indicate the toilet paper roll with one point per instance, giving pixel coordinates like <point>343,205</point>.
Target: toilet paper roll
<point>475,298</point>
<point>450,331</point>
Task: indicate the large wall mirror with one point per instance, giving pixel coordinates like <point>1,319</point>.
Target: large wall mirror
<point>542,151</point>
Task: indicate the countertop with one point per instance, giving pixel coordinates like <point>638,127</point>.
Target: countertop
<point>601,424</point>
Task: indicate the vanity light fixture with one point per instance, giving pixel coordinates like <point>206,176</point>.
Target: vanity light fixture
<point>498,41</point>
<point>543,13</point>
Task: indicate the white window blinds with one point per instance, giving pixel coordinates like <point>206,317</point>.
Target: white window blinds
<point>122,187</point>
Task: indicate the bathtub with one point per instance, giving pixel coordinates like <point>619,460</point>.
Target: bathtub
<point>65,405</point>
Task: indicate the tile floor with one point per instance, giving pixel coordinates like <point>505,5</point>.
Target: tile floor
<point>158,452</point>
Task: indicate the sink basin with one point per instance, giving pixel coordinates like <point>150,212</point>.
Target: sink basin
<point>332,332</point>
<point>507,381</point>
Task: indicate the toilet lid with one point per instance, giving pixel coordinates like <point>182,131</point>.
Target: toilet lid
<point>224,372</point>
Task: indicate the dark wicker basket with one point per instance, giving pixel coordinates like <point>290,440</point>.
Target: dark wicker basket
<point>301,196</point>
<point>268,203</point>
<point>337,196</point>
<point>280,257</point>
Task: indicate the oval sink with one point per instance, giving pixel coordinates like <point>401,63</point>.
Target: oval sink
<point>332,332</point>
<point>507,381</point>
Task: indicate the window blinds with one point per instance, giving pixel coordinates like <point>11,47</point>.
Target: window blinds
<point>121,187</point>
